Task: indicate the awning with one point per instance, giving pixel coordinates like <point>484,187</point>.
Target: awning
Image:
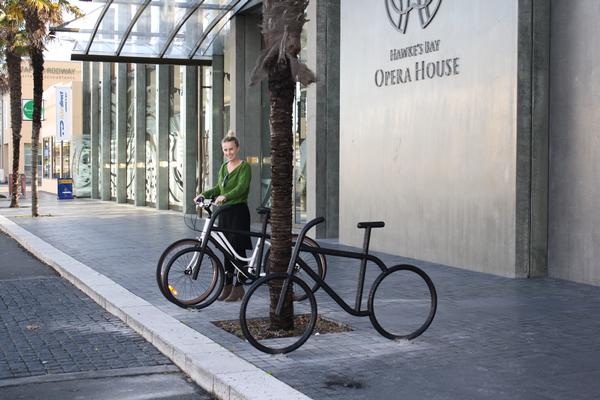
<point>151,31</point>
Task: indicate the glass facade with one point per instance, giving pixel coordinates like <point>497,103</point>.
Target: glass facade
<point>256,137</point>
<point>206,125</point>
<point>66,159</point>
<point>300,155</point>
<point>56,160</point>
<point>46,157</point>
<point>27,161</point>
<point>176,140</point>
<point>130,149</point>
<point>151,136</point>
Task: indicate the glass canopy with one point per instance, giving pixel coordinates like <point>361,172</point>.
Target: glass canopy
<point>151,31</point>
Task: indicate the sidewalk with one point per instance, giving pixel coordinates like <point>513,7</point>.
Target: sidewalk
<point>492,338</point>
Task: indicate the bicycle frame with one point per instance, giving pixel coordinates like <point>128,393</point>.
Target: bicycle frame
<point>363,256</point>
<point>216,235</point>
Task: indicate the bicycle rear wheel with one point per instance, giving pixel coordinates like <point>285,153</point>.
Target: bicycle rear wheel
<point>183,289</point>
<point>402,302</point>
<point>256,315</point>
<point>167,255</point>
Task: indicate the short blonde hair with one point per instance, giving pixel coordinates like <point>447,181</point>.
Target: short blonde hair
<point>230,137</point>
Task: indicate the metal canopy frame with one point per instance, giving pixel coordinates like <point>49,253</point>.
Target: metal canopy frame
<point>180,32</point>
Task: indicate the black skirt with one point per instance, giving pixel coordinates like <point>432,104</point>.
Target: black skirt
<point>237,217</point>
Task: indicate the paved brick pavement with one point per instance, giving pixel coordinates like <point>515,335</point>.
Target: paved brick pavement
<point>493,338</point>
<point>56,343</point>
<point>47,326</point>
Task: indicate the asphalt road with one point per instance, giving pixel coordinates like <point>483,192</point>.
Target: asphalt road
<point>56,343</point>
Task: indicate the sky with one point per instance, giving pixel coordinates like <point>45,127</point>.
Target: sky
<point>60,50</point>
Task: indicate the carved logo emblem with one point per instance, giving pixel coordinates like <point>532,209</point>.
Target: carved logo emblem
<point>399,11</point>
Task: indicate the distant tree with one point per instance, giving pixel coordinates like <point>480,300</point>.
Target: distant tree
<point>279,64</point>
<point>39,15</point>
<point>13,45</point>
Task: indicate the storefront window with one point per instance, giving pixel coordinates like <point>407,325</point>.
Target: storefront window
<point>300,145</point>
<point>56,161</point>
<point>206,123</point>
<point>66,159</point>
<point>300,154</point>
<point>27,162</point>
<point>46,160</point>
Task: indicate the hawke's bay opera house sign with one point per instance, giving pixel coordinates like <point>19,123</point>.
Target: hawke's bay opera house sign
<point>428,94</point>
<point>424,11</point>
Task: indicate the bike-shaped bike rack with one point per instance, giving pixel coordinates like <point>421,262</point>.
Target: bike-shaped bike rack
<point>190,274</point>
<point>402,289</point>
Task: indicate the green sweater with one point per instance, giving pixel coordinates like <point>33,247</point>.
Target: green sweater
<point>234,186</point>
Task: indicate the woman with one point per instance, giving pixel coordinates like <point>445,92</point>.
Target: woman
<point>232,189</point>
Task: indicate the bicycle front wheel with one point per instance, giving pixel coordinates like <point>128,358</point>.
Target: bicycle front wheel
<point>187,289</point>
<point>167,255</point>
<point>402,302</point>
<point>261,326</point>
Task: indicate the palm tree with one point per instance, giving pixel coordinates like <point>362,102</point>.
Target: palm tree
<point>279,64</point>
<point>39,14</point>
<point>13,45</point>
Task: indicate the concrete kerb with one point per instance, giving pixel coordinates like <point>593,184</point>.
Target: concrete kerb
<point>210,365</point>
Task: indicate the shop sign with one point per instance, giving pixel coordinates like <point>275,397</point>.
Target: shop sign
<point>64,114</point>
<point>27,109</point>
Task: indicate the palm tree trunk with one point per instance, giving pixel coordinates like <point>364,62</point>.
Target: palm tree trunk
<point>37,64</point>
<point>13,66</point>
<point>279,64</point>
<point>281,95</point>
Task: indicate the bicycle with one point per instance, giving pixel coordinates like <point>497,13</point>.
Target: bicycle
<point>194,276</point>
<point>398,287</point>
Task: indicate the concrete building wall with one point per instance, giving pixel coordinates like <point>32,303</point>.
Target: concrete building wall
<point>433,157</point>
<point>574,218</point>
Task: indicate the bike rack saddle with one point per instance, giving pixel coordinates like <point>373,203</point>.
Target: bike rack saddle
<point>373,224</point>
<point>263,210</point>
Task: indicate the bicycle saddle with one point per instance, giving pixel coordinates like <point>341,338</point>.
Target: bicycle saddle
<point>373,224</point>
<point>263,210</point>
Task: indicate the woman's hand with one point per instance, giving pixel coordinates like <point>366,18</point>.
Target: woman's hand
<point>220,200</point>
<point>199,199</point>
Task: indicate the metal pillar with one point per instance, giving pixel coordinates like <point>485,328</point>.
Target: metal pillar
<point>324,115</point>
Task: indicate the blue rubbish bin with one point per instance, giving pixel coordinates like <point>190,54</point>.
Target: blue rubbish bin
<point>65,189</point>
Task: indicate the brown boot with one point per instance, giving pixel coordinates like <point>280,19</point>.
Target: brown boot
<point>225,292</point>
<point>237,292</point>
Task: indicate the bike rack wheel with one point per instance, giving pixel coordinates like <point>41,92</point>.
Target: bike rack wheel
<point>167,255</point>
<point>255,311</point>
<point>402,302</point>
<point>187,292</point>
